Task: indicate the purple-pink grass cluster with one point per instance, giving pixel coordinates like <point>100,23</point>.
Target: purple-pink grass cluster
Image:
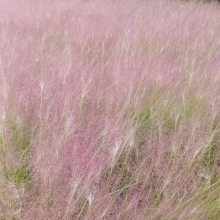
<point>109,110</point>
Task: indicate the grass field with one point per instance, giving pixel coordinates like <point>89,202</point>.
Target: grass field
<point>109,110</point>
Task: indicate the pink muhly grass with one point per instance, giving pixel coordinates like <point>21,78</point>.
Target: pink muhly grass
<point>109,110</point>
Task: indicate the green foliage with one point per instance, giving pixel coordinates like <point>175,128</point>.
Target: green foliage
<point>144,118</point>
<point>165,108</point>
<point>211,202</point>
<point>157,96</point>
<point>20,136</point>
<point>212,152</point>
<point>161,108</point>
<point>191,106</point>
<point>168,117</point>
<point>1,144</point>
<point>158,198</point>
<point>20,142</point>
<point>188,108</point>
<point>20,175</point>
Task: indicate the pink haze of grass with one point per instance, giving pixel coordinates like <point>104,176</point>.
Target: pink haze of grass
<point>72,70</point>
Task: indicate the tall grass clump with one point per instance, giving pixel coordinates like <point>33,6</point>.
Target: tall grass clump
<point>109,110</point>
